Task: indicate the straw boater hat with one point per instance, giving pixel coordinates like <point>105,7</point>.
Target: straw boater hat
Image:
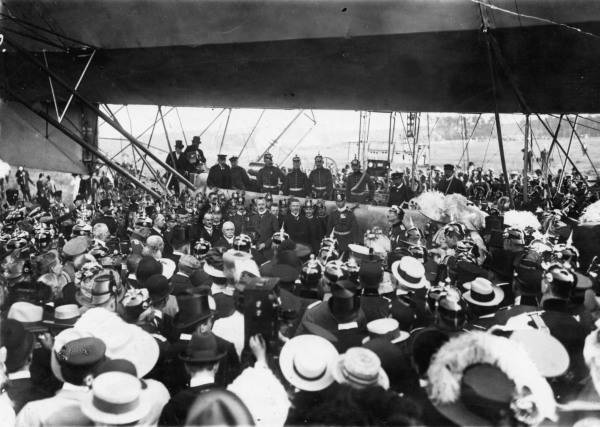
<point>410,273</point>
<point>359,368</point>
<point>386,327</point>
<point>481,292</point>
<point>116,398</point>
<point>306,362</point>
<point>64,316</point>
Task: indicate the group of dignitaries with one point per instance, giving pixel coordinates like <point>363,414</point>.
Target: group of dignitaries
<point>226,311</point>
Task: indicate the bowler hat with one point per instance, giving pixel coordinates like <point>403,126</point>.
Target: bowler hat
<point>201,349</point>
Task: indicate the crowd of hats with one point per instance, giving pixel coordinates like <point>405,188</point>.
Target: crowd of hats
<point>488,325</point>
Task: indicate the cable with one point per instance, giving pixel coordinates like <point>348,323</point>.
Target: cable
<point>536,18</point>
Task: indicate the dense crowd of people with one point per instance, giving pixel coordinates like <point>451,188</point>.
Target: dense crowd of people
<point>212,308</point>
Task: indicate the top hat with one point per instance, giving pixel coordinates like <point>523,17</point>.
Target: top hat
<point>179,143</point>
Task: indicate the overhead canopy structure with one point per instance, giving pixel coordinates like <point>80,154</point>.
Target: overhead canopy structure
<point>378,55</point>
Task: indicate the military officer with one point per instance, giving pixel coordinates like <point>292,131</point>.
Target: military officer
<point>359,188</point>
<point>220,174</point>
<point>296,182</point>
<point>239,177</point>
<point>399,191</point>
<point>321,181</point>
<point>269,177</point>
<point>343,223</point>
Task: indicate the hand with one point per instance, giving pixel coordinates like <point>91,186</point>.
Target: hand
<point>259,348</point>
<point>261,246</point>
<point>46,340</point>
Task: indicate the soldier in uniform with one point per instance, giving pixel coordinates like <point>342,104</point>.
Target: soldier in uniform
<point>269,177</point>
<point>343,223</point>
<point>450,184</point>
<point>397,232</point>
<point>296,182</point>
<point>321,181</point>
<point>219,175</point>
<point>239,177</point>
<point>359,189</point>
<point>399,191</point>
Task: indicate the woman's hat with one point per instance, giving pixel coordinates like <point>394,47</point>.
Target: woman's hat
<point>123,340</point>
<point>410,273</point>
<point>306,362</point>
<point>481,292</point>
<point>359,368</point>
<point>116,398</point>
<point>202,348</point>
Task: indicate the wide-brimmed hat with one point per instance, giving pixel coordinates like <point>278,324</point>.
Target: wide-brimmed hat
<point>202,348</point>
<point>306,362</point>
<point>481,292</point>
<point>30,315</point>
<point>123,340</point>
<point>116,398</point>
<point>359,368</point>
<point>546,352</point>
<point>62,338</point>
<point>410,273</point>
<point>64,316</point>
<point>479,378</point>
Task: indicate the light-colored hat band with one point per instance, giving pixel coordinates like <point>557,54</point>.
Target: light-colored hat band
<point>306,378</point>
<point>115,408</point>
<point>357,378</point>
<point>407,277</point>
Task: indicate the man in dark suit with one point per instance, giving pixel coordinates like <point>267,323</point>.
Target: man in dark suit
<point>106,217</point>
<point>201,358</point>
<point>207,231</point>
<point>158,225</point>
<point>296,225</point>
<point>263,223</point>
<point>178,161</point>
<point>219,175</point>
<point>450,184</point>
<point>227,235</point>
<point>181,283</point>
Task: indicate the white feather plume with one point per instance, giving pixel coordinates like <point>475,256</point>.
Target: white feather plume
<point>448,364</point>
<point>591,213</point>
<point>4,169</point>
<point>451,207</point>
<point>431,203</point>
<point>521,220</point>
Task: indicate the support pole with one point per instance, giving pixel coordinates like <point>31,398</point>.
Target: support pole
<point>225,131</point>
<point>31,58</point>
<point>78,140</point>
<point>585,151</point>
<point>497,115</point>
<point>526,161</point>
<point>272,144</point>
<point>171,155</point>
<point>562,171</point>
<point>251,133</point>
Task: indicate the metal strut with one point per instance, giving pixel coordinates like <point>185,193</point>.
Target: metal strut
<point>98,112</point>
<point>272,144</point>
<point>78,140</point>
